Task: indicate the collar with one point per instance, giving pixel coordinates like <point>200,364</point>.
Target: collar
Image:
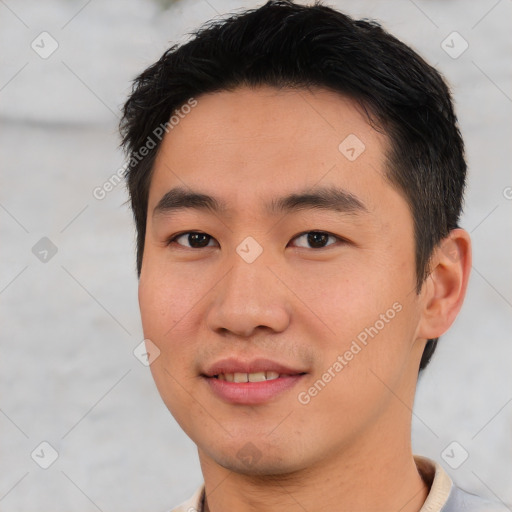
<point>432,473</point>
<point>437,479</point>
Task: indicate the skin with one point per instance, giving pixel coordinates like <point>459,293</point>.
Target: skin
<point>349,447</point>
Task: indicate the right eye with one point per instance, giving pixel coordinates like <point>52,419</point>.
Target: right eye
<point>194,239</point>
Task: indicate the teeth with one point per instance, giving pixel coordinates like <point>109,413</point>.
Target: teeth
<point>248,377</point>
<point>257,377</point>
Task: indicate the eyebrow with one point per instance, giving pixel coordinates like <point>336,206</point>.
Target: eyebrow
<point>180,198</point>
<point>323,198</point>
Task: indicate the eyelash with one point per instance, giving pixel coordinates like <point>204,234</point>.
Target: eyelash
<point>173,239</point>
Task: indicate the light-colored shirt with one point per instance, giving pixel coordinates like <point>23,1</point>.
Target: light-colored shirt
<point>443,496</point>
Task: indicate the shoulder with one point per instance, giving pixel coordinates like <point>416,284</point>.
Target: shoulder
<point>445,496</point>
<point>463,501</point>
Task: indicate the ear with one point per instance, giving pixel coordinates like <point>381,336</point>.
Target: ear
<point>444,290</point>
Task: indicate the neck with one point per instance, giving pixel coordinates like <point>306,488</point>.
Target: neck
<point>375,478</point>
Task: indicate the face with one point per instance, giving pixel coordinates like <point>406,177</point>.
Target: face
<point>278,280</point>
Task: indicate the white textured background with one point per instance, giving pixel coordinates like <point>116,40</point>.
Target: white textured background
<point>68,326</point>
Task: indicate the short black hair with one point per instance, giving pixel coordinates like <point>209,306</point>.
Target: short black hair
<point>282,44</point>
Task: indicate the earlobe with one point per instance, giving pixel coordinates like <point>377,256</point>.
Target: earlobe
<point>445,288</point>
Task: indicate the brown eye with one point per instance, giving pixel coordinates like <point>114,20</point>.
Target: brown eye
<point>315,240</point>
<point>193,240</point>
<point>198,239</point>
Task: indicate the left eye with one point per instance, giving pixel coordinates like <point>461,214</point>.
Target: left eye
<point>315,239</point>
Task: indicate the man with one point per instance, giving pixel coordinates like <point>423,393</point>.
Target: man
<point>296,179</point>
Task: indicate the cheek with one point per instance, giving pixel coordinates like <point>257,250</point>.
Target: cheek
<point>167,313</point>
<point>346,298</point>
<point>352,380</point>
<point>166,307</point>
<point>166,300</point>
<point>369,314</point>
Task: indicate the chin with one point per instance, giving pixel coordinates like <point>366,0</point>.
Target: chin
<point>255,458</point>
<point>267,467</point>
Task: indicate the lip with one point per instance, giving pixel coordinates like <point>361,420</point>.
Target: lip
<point>233,365</point>
<point>251,393</point>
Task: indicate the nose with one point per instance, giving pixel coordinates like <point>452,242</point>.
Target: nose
<point>249,298</point>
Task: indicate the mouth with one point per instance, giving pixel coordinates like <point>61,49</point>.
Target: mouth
<point>248,377</point>
<point>250,383</point>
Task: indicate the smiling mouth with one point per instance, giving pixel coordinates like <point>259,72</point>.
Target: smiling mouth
<point>254,388</point>
<point>248,377</point>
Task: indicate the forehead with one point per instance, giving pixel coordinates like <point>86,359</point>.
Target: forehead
<point>257,142</point>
